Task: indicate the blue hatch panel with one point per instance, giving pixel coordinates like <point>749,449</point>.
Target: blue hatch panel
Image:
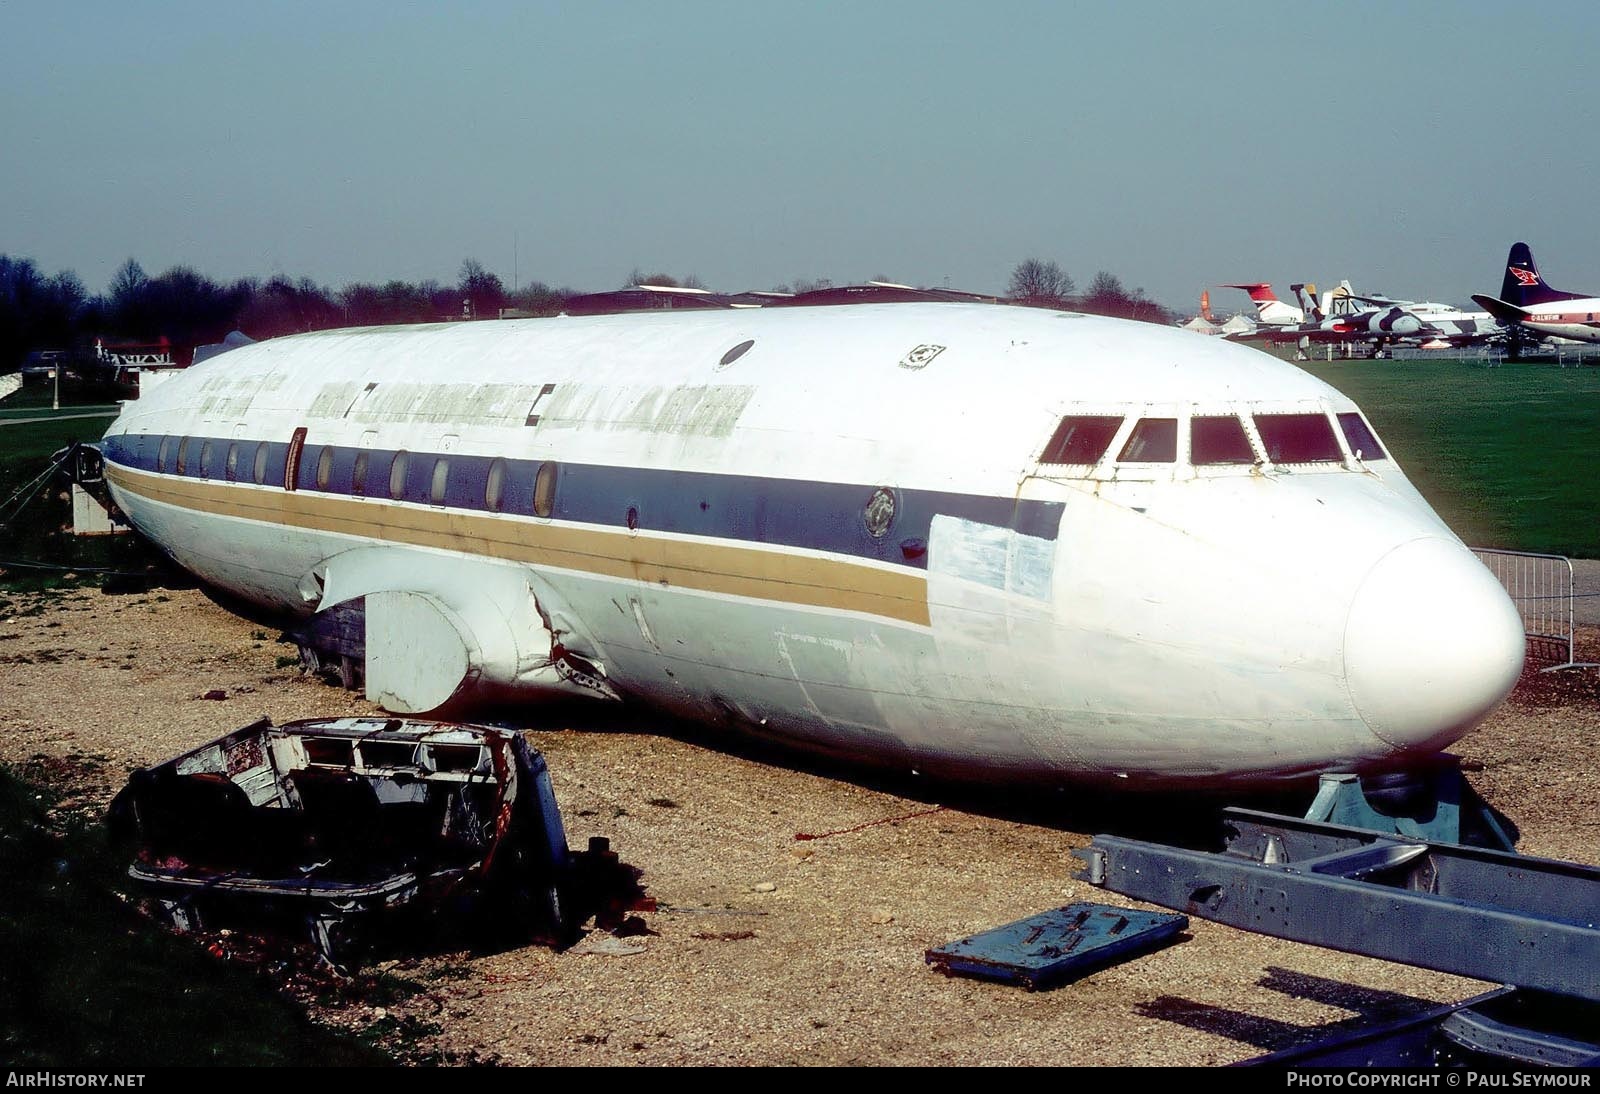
<point>1057,945</point>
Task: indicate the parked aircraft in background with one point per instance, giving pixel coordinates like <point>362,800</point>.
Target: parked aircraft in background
<point>1444,325</point>
<point>1270,311</point>
<point>981,541</point>
<point>1334,320</point>
<point>1529,303</point>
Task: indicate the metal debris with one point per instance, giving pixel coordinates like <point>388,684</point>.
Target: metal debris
<point>353,830</point>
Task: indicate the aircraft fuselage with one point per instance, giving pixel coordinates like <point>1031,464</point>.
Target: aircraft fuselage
<point>988,542</point>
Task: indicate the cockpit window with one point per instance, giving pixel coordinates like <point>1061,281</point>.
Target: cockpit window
<point>1219,440</point>
<point>1153,440</point>
<point>1359,436</point>
<point>1081,439</point>
<point>1298,438</point>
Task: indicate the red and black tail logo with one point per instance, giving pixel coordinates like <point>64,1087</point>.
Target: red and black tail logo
<point>1524,277</point>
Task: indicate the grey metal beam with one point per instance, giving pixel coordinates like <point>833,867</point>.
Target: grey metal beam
<point>1484,914</point>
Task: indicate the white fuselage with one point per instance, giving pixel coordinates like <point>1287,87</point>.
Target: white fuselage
<point>842,534</point>
<point>1576,319</point>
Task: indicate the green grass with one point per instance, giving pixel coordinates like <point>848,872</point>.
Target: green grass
<point>36,399</point>
<point>87,984</point>
<point>36,534</point>
<point>1507,455</point>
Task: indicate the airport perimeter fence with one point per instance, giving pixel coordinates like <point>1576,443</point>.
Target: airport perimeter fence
<point>1566,356</point>
<point>1541,586</point>
<point>1486,355</point>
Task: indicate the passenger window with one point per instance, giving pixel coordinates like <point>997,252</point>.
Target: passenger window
<point>1153,440</point>
<point>230,466</point>
<point>291,459</point>
<point>1298,438</point>
<point>397,475</point>
<point>161,456</point>
<point>1359,436</point>
<point>325,467</point>
<point>544,490</point>
<point>1081,439</point>
<point>358,473</point>
<point>260,469</point>
<point>441,481</point>
<point>494,487</point>
<point>1219,440</point>
<point>205,460</point>
<point>183,456</point>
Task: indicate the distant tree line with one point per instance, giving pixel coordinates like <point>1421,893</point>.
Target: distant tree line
<point>187,308</point>
<point>1040,284</point>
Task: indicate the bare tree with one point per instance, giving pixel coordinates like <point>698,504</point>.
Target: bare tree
<point>1040,284</point>
<point>485,291</point>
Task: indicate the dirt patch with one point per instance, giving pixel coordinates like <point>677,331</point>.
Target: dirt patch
<point>765,949</point>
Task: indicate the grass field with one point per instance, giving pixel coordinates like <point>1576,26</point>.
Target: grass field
<point>36,533</point>
<point>1508,456</point>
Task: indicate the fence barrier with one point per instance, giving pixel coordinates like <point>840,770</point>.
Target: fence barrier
<point>1541,587</point>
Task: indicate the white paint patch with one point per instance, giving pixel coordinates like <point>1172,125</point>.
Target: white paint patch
<point>989,555</point>
<point>686,410</point>
<point>644,627</point>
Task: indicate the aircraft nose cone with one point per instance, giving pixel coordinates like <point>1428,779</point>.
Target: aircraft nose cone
<point>1431,645</point>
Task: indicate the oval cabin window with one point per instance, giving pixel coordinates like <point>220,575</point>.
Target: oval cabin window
<point>260,469</point>
<point>439,487</point>
<point>494,487</point>
<point>230,466</point>
<point>161,456</point>
<point>183,457</point>
<point>358,473</point>
<point>878,516</point>
<point>205,460</point>
<point>325,467</point>
<point>397,475</point>
<point>544,490</point>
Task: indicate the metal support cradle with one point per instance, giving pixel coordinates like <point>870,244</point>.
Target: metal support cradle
<point>1490,915</point>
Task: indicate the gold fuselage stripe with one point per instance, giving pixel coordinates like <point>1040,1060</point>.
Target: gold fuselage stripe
<point>757,573</point>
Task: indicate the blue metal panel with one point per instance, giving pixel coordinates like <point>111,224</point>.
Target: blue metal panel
<point>1056,945</point>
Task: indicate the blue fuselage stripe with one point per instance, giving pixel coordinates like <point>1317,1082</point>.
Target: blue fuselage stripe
<point>797,513</point>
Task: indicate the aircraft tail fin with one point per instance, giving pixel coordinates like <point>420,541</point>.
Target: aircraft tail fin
<point>1260,291</point>
<point>1307,295</point>
<point>1269,309</point>
<point>1523,285</point>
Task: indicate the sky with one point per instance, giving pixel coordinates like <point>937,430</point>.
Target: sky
<point>1402,145</point>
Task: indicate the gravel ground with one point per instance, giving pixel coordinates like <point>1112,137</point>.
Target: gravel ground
<point>767,950</point>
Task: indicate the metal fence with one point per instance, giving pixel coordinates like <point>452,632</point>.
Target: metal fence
<point>1565,355</point>
<point>1541,586</point>
<point>1491,356</point>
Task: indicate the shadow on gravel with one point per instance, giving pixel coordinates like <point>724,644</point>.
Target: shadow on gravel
<point>1182,819</point>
